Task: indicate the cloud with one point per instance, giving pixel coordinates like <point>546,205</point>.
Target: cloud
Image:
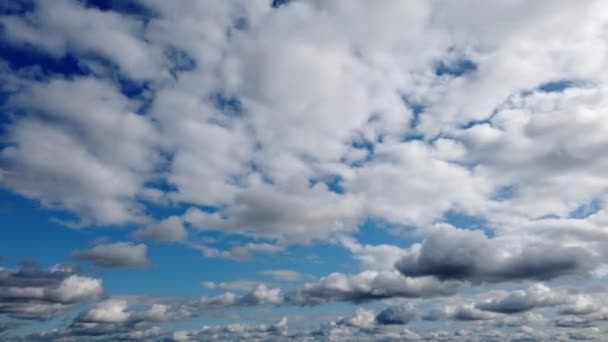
<point>111,319</point>
<point>401,314</point>
<point>459,254</point>
<point>32,293</point>
<point>239,253</point>
<point>235,285</point>
<point>282,275</point>
<point>536,296</point>
<point>170,229</point>
<point>70,162</point>
<point>306,213</point>
<point>295,124</point>
<point>115,255</point>
<point>259,295</point>
<point>276,330</point>
<point>369,285</point>
<point>463,312</point>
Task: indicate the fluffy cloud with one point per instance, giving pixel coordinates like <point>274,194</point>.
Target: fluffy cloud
<point>401,314</point>
<point>115,255</point>
<point>170,229</point>
<point>111,320</point>
<point>295,125</point>
<point>259,295</point>
<point>519,301</point>
<point>60,153</point>
<point>450,253</point>
<point>32,293</point>
<point>370,285</point>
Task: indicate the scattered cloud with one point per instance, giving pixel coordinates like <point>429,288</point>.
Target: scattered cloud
<point>115,255</point>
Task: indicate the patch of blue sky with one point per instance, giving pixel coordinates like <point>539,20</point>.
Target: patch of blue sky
<point>134,8</point>
<point>587,209</point>
<point>457,68</point>
<point>376,231</point>
<point>557,86</point>
<point>26,223</point>
<point>279,3</point>
<point>38,63</point>
<point>180,61</point>
<point>463,220</point>
<point>505,193</point>
<point>417,109</point>
<point>227,104</point>
<point>333,182</point>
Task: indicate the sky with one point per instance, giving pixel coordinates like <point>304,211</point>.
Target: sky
<point>303,170</point>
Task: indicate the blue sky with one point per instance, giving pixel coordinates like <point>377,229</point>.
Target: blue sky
<point>303,170</point>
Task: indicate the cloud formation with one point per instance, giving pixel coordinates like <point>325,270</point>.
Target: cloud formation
<point>455,151</point>
<point>115,255</point>
<point>460,254</point>
<point>34,293</point>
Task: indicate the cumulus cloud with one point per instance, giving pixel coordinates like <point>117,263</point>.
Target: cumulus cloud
<point>111,319</point>
<point>370,285</point>
<point>259,295</point>
<point>33,293</point>
<point>535,296</point>
<point>70,162</point>
<point>115,255</point>
<point>170,229</point>
<point>400,314</point>
<point>239,253</point>
<point>460,254</point>
<point>297,125</point>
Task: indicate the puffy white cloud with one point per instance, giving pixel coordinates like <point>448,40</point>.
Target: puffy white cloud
<point>292,126</point>
<point>60,153</point>
<point>118,254</point>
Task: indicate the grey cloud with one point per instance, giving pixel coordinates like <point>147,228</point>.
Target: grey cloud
<point>110,320</point>
<point>115,255</point>
<point>170,229</point>
<point>574,322</point>
<point>32,293</point>
<point>370,285</point>
<point>239,253</point>
<point>336,287</point>
<point>259,295</point>
<point>276,331</point>
<point>401,314</point>
<point>282,275</point>
<point>469,255</point>
<point>462,312</point>
<point>536,296</point>
<point>306,213</point>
